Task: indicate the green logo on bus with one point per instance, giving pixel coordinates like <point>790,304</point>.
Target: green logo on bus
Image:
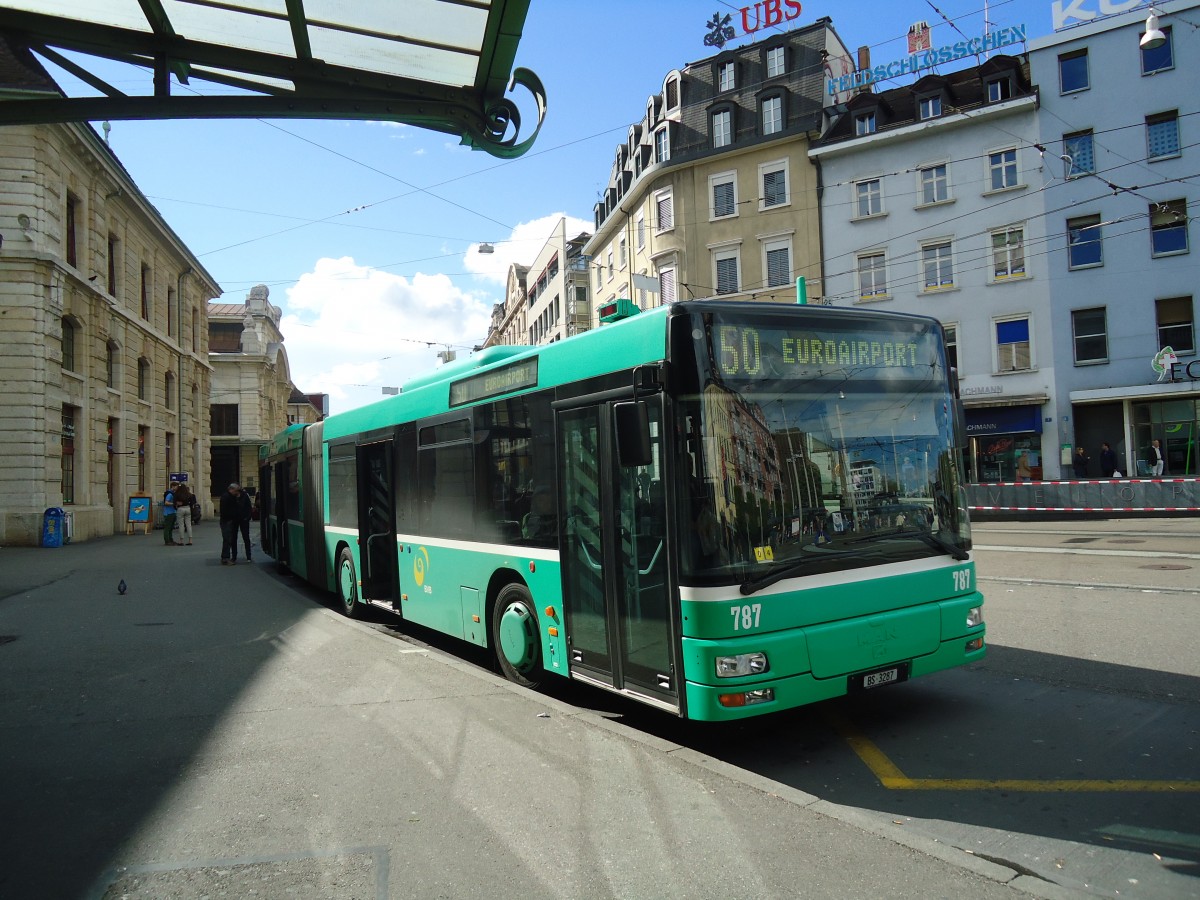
<point>420,564</point>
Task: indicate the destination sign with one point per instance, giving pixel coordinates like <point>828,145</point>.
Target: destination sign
<point>514,376</point>
<point>747,351</point>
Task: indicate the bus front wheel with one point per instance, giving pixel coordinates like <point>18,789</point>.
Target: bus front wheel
<point>515,637</point>
<point>347,585</point>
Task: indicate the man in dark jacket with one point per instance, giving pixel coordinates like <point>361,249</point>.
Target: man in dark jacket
<point>1079,462</point>
<point>229,511</point>
<point>1108,460</point>
<point>245,514</point>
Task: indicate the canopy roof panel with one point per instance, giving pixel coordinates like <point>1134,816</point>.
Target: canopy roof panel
<point>440,64</point>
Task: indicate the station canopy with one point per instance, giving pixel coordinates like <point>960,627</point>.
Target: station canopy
<point>439,64</point>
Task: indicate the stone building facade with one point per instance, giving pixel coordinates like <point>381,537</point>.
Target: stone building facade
<point>103,349</point>
<point>251,386</point>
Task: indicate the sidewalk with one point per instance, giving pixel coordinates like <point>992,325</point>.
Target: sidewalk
<point>219,731</point>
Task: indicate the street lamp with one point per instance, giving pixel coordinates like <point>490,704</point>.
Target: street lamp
<point>1154,36</point>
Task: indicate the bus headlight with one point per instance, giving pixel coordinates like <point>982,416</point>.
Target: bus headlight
<point>974,616</point>
<point>742,664</point>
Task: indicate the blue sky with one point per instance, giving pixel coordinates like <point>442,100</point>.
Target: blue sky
<point>365,232</point>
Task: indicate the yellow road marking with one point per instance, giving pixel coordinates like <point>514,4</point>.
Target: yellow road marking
<point>893,779</point>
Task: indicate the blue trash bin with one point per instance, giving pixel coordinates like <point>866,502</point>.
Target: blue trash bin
<point>52,526</point>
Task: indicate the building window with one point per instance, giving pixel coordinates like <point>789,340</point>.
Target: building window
<point>1073,72</point>
<point>775,62</point>
<point>143,378</point>
<point>665,211</point>
<point>772,115</point>
<point>114,248</point>
<point>1090,330</point>
<point>112,469</point>
<point>640,229</point>
<point>1077,148</point>
<point>951,345</point>
<point>169,451</point>
<point>1176,325</point>
<point>777,262</point>
<point>1085,247</point>
<point>929,107</point>
<point>1160,58</point>
<point>169,390</point>
<point>868,198</point>
<point>1012,345</point>
<point>145,289</point>
<point>934,183</point>
<point>224,419</point>
<point>1162,135</point>
<point>1003,169</point>
<point>68,345</point>
<point>774,184</point>
<point>864,123</point>
<point>170,312</point>
<point>68,453</point>
<point>610,265</point>
<point>725,77</point>
<point>722,128</point>
<point>69,225</point>
<point>666,285</point>
<point>1168,228</point>
<point>672,93</point>
<point>662,144</point>
<point>622,253</point>
<point>872,275</point>
<point>111,364</point>
<point>724,195</point>
<point>725,270</point>
<point>999,89</point>
<point>225,337</point>
<point>937,265</point>
<point>1008,254</point>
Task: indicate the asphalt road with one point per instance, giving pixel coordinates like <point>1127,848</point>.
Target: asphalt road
<point>1070,752</point>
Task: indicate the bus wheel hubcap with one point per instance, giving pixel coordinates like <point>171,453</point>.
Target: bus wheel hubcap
<point>347,583</point>
<point>518,637</point>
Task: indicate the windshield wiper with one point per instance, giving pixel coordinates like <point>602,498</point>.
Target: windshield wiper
<point>751,585</point>
<point>926,537</point>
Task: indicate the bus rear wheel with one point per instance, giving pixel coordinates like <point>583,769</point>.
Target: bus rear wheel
<point>347,585</point>
<point>515,638</point>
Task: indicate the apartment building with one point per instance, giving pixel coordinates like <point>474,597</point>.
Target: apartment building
<point>712,191</point>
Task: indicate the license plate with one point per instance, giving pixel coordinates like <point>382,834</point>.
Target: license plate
<point>879,678</point>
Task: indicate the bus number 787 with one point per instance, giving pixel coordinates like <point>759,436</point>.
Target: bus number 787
<point>746,617</point>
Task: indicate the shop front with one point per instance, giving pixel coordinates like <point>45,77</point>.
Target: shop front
<point>999,436</point>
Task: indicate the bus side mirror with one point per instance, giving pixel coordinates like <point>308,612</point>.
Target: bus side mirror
<point>633,433</point>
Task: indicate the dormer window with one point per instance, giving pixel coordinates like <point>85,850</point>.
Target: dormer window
<point>929,106</point>
<point>864,123</point>
<point>999,89</point>
<point>672,93</point>
<point>726,79</point>
<point>662,144</point>
<point>722,127</point>
<point>775,62</point>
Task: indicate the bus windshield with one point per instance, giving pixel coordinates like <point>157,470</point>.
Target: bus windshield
<point>814,443</point>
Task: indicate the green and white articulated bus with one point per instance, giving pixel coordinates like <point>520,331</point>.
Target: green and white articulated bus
<point>720,509</point>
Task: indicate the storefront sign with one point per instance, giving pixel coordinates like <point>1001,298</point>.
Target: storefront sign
<point>1003,420</point>
<point>992,40</point>
<point>1164,361</point>
<point>1076,12</point>
<point>1190,372</point>
<point>984,389</point>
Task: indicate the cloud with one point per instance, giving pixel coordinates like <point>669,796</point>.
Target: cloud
<point>350,330</point>
<point>522,247</point>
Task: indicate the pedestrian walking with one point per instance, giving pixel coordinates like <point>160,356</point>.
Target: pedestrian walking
<point>1157,462</point>
<point>1024,472</point>
<point>184,501</point>
<point>1108,460</point>
<point>169,514</point>
<point>229,524</point>
<point>245,514</point>
<point>1079,462</point>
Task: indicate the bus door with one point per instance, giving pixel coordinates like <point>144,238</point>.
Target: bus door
<point>376,521</point>
<point>285,470</point>
<point>614,557</point>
